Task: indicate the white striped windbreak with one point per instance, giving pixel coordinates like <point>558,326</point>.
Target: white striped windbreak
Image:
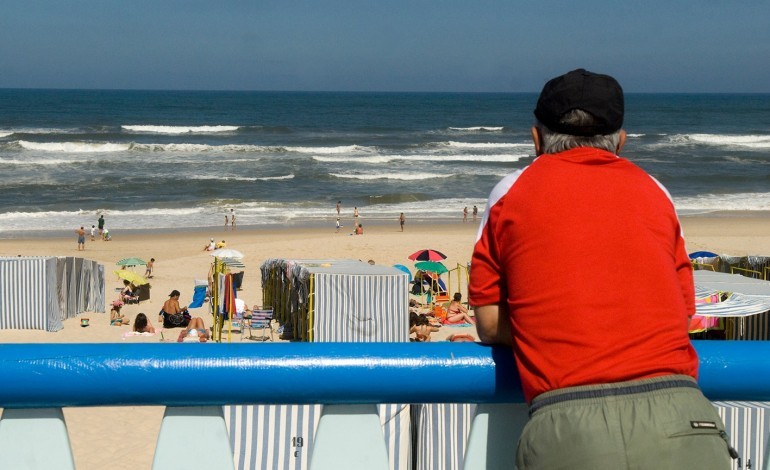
<point>28,294</point>
<point>361,308</point>
<point>748,425</point>
<point>281,437</point>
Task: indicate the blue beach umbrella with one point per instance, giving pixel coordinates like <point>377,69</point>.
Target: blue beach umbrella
<point>405,269</point>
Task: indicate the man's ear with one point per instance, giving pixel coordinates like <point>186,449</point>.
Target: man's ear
<point>621,141</point>
<point>536,140</point>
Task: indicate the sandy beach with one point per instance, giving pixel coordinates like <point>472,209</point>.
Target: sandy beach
<point>124,437</point>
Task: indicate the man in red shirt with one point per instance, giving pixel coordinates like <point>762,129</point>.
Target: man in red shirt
<point>581,267</point>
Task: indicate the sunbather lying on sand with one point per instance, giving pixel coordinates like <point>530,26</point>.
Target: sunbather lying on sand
<point>196,329</point>
<point>142,324</point>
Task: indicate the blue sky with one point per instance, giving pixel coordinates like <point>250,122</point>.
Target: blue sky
<point>391,45</point>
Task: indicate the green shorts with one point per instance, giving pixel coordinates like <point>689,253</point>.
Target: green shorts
<point>658,423</point>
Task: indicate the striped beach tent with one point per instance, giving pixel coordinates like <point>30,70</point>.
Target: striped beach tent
<point>324,301</point>
<point>28,294</point>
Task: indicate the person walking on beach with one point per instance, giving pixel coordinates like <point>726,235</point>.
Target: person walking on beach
<point>355,216</point>
<point>338,225</point>
<point>401,220</point>
<point>100,224</point>
<point>93,233</point>
<point>150,266</point>
<point>81,238</point>
<point>232,219</point>
<point>599,395</point>
<point>227,221</point>
<point>475,213</point>
<point>465,214</point>
<point>339,206</point>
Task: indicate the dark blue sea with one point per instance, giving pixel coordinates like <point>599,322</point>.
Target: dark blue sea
<point>164,159</point>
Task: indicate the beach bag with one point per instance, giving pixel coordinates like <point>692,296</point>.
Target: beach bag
<point>175,320</point>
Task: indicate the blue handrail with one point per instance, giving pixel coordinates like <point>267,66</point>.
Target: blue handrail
<point>59,375</point>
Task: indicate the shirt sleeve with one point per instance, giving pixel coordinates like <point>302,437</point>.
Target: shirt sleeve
<point>684,272</point>
<point>485,274</point>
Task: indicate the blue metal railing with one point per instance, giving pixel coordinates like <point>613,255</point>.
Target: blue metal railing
<point>51,376</point>
<point>56,375</point>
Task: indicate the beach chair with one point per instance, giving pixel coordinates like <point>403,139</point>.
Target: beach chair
<point>261,318</point>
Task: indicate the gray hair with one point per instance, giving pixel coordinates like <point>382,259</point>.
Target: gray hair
<point>553,142</point>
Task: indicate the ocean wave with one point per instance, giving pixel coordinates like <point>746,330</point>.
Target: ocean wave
<point>179,129</point>
<point>480,145</point>
<point>372,160</point>
<point>331,150</point>
<point>284,177</point>
<point>200,148</point>
<point>39,161</point>
<point>477,129</point>
<point>636,135</point>
<point>724,202</point>
<point>4,134</point>
<point>393,176</point>
<point>74,147</point>
<point>240,178</point>
<point>377,159</point>
<point>751,141</point>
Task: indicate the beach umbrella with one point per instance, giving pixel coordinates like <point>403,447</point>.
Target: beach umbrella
<point>227,253</point>
<point>232,262</point>
<point>401,267</point>
<point>427,255</point>
<point>131,262</point>
<point>131,277</point>
<point>431,267</point>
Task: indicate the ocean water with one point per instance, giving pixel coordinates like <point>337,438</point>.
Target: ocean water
<point>171,160</point>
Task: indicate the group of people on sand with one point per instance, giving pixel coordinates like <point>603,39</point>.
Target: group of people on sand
<point>104,234</point>
<point>423,321</point>
<point>212,245</point>
<point>192,327</point>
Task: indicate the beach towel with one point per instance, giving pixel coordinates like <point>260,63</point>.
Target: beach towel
<point>199,296</point>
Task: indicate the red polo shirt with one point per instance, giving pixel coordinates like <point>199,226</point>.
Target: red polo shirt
<point>584,250</point>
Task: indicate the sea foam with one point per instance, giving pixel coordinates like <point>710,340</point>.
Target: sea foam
<point>179,129</point>
<point>752,141</point>
<point>393,176</point>
<point>74,147</point>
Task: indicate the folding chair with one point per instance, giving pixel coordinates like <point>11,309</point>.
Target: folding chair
<point>260,318</point>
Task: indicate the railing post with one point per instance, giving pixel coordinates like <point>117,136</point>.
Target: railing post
<point>35,438</point>
<point>193,437</point>
<point>349,438</point>
<point>495,428</point>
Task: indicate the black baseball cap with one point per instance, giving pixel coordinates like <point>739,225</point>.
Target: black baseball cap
<point>597,94</point>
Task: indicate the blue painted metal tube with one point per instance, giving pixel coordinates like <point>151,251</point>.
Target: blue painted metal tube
<point>52,375</point>
<point>734,370</point>
<point>46,375</point>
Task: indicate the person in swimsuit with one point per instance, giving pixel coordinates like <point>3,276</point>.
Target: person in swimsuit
<point>456,312</point>
<point>142,324</point>
<point>81,238</point>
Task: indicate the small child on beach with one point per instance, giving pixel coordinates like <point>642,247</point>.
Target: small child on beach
<point>116,318</point>
<point>150,265</point>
